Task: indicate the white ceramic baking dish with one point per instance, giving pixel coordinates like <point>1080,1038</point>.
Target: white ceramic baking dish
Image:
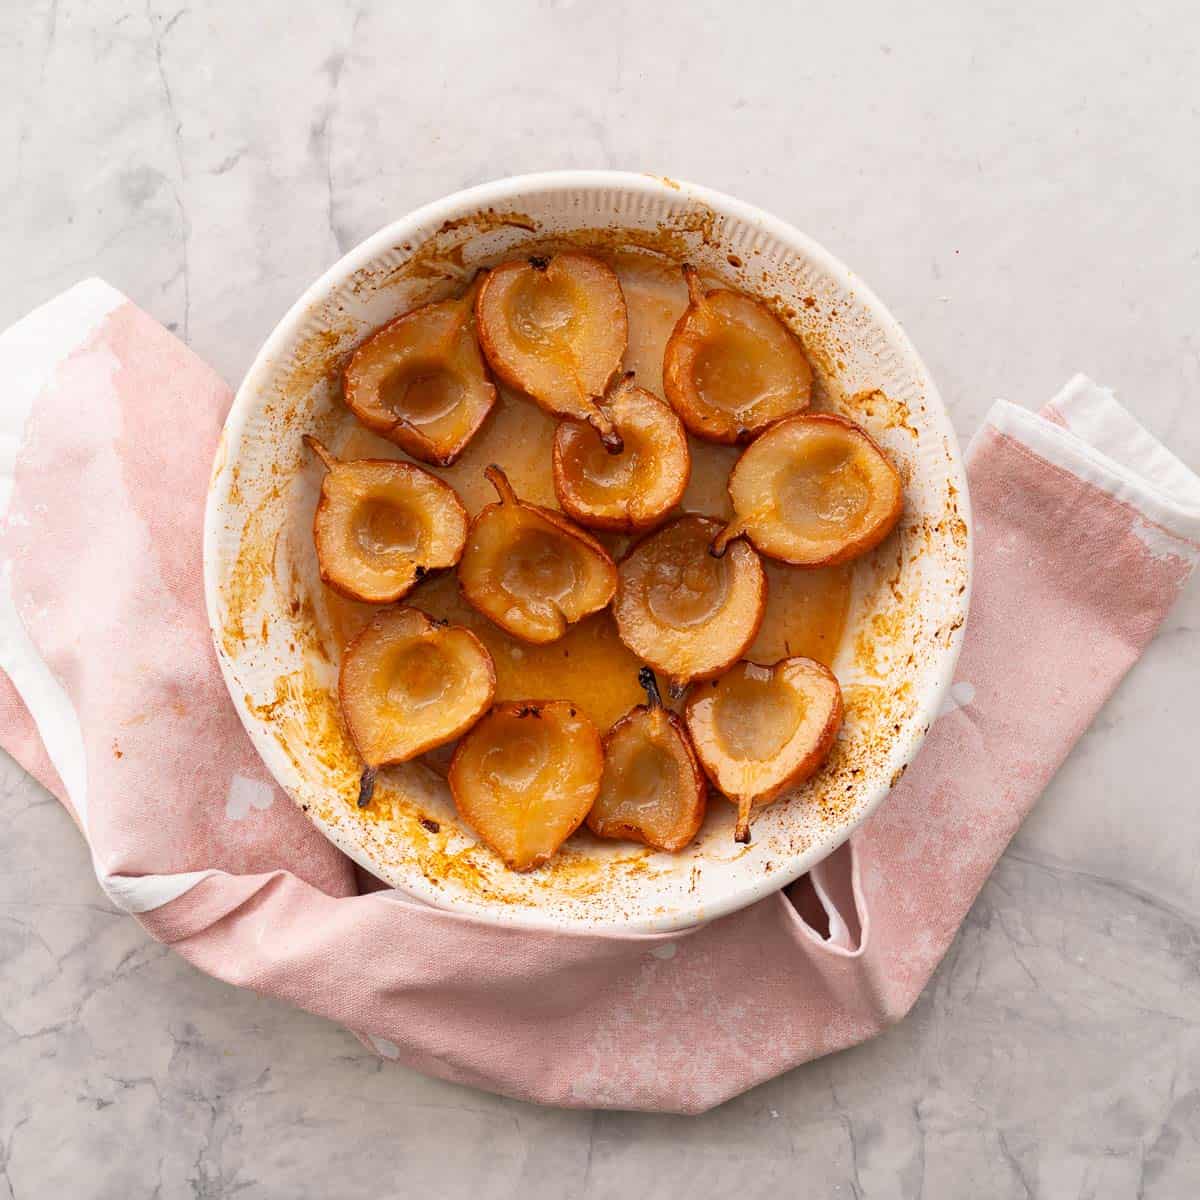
<point>909,603</point>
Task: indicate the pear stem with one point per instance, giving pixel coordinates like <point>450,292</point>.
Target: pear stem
<point>328,459</point>
<point>609,437</point>
<point>366,786</point>
<point>619,386</point>
<point>601,422</point>
<point>497,478</point>
<point>696,296</point>
<point>735,529</point>
<point>741,831</point>
<point>648,681</point>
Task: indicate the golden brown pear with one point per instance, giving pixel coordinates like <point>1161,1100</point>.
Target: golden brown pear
<point>731,367</point>
<point>686,613</point>
<point>556,328</point>
<point>421,380</point>
<point>814,490</point>
<point>631,490</point>
<point>409,684</point>
<point>381,526</point>
<point>530,570</point>
<point>758,730</point>
<point>653,790</point>
<point>525,777</point>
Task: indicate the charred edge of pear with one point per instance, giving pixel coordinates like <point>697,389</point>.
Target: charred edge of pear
<point>539,262</point>
<point>366,786</point>
<point>444,460</point>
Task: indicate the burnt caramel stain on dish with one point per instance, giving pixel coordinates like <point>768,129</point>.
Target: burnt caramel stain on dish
<point>401,825</point>
<point>875,409</point>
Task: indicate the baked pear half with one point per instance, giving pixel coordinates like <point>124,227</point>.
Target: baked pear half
<point>382,526</point>
<point>814,490</point>
<point>653,790</point>
<point>409,684</point>
<point>421,381</point>
<point>556,329</point>
<point>636,488</point>
<point>731,367</point>
<point>525,777</point>
<point>686,613</point>
<point>530,570</point>
<point>758,730</point>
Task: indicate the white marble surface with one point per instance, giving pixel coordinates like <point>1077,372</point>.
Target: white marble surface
<point>1021,185</point>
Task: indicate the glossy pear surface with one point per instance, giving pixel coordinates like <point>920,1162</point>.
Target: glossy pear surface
<point>408,684</point>
<point>421,381</point>
<point>758,730</point>
<point>652,790</point>
<point>731,367</point>
<point>635,488</point>
<point>530,570</point>
<point>814,490</point>
<point>381,526</point>
<point>556,328</point>
<point>686,613</point>
<point>525,777</point>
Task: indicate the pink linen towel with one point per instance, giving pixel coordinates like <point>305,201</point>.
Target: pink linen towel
<point>1086,529</point>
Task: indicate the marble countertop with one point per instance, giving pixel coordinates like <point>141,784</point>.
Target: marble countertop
<point>1021,186</point>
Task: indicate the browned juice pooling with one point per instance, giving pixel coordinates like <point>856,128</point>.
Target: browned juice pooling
<point>806,608</point>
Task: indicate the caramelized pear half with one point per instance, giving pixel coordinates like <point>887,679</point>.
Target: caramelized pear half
<point>683,611</point>
<point>758,730</point>
<point>731,367</point>
<point>421,381</point>
<point>530,570</point>
<point>631,490</point>
<point>653,790</point>
<point>525,777</point>
<point>814,490</point>
<point>382,526</point>
<point>555,329</point>
<point>409,684</point>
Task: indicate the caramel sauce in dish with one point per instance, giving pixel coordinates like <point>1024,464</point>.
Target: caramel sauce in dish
<point>589,666</point>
